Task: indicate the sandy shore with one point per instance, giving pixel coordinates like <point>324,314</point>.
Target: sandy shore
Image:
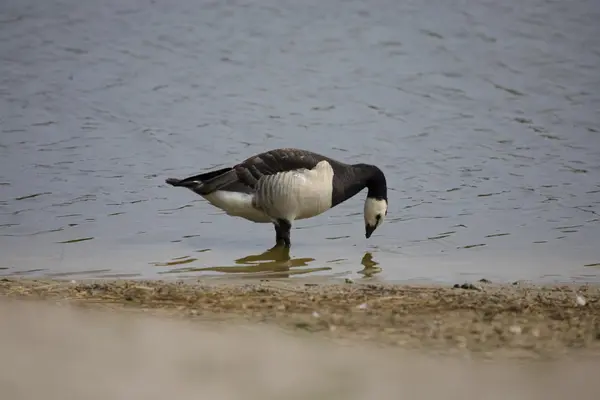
<point>278,339</point>
<point>481,319</point>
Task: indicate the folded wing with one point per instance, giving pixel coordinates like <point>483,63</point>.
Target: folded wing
<point>244,177</point>
<point>250,171</point>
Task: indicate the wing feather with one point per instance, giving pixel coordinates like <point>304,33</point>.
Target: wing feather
<point>272,162</point>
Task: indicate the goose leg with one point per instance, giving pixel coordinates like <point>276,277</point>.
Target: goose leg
<point>282,230</point>
<point>279,237</point>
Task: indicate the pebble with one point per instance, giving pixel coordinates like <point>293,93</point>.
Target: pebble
<point>467,286</point>
<point>362,306</point>
<point>515,329</point>
<point>580,300</point>
<point>315,314</point>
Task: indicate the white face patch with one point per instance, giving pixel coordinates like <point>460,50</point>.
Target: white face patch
<point>375,211</point>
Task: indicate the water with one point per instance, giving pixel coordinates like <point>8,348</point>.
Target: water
<point>483,115</point>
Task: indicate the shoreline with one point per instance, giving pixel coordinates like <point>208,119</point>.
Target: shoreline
<point>481,320</point>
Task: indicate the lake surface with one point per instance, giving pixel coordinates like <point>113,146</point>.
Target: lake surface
<point>484,115</point>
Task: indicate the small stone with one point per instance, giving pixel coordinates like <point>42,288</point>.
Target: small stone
<point>302,325</point>
<point>580,300</point>
<point>461,341</point>
<point>468,286</point>
<point>362,306</point>
<point>349,280</point>
<point>281,307</point>
<point>315,314</point>
<point>73,281</point>
<point>515,329</point>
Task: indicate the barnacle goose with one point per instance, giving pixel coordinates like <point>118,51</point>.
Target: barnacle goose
<point>283,185</point>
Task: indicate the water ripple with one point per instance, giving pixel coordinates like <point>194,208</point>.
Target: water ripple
<point>488,136</point>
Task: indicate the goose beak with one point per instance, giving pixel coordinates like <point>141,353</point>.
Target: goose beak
<point>369,230</point>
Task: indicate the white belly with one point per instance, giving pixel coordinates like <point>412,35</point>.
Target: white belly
<point>296,194</point>
<point>237,205</point>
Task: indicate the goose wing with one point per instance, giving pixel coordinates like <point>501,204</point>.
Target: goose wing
<point>244,176</point>
<point>273,162</point>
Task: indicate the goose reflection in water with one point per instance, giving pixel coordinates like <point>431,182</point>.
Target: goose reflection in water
<point>274,263</point>
<point>370,266</point>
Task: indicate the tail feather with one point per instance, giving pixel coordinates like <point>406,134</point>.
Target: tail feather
<point>206,175</point>
<point>173,181</point>
<point>206,183</point>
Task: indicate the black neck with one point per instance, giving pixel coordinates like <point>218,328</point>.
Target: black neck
<point>374,181</point>
<point>353,181</point>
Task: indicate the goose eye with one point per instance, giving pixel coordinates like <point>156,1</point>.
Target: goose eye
<point>378,217</point>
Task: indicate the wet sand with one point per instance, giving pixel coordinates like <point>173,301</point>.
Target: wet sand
<point>296,340</point>
<point>479,319</point>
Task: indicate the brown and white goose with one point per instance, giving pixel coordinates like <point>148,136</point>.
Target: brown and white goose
<point>283,185</point>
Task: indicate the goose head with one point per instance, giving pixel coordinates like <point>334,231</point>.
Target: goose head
<point>375,212</point>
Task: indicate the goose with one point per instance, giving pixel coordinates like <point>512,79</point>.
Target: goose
<point>282,185</point>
